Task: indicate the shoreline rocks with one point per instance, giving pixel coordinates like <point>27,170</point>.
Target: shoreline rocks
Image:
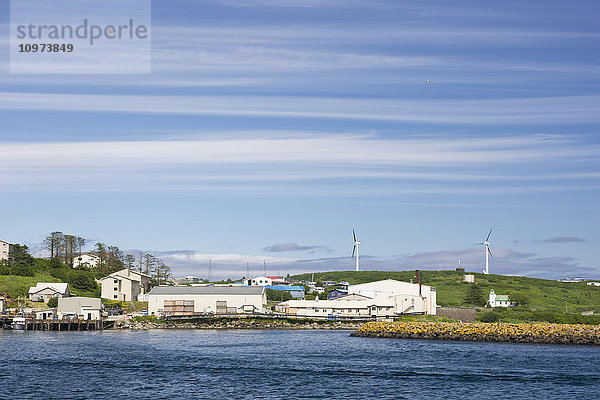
<point>237,324</point>
<point>480,332</point>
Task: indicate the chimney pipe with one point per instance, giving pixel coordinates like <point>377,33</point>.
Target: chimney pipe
<point>419,279</point>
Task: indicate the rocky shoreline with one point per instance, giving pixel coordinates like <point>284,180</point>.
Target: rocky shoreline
<point>479,332</point>
<point>238,324</point>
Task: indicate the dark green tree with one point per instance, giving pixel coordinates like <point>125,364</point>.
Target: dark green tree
<point>53,302</point>
<point>519,299</point>
<point>475,296</point>
<point>20,261</point>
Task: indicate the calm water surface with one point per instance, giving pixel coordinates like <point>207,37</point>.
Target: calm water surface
<point>285,364</point>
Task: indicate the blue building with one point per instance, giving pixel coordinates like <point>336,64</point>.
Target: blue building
<point>335,293</point>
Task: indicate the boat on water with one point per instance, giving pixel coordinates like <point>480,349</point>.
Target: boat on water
<point>18,322</point>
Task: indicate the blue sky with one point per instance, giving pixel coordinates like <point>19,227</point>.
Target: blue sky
<point>283,125</point>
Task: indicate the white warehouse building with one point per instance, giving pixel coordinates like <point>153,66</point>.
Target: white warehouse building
<point>187,300</point>
<point>387,298</point>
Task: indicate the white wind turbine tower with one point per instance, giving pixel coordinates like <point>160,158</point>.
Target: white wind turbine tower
<point>355,248</point>
<point>488,252</point>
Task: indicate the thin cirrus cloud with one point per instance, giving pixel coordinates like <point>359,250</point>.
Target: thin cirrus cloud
<point>563,239</point>
<point>284,247</point>
<point>563,109</point>
<point>240,164</point>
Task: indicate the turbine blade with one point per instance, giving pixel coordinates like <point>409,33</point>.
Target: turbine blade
<point>489,251</point>
<point>477,244</point>
<point>488,236</point>
<point>353,248</point>
<point>354,234</point>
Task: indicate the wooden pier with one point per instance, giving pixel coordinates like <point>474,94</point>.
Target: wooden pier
<point>57,324</point>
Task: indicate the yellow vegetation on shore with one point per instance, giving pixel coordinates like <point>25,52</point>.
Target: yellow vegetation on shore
<point>502,332</point>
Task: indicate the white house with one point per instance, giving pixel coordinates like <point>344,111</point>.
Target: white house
<point>497,300</point>
<point>88,308</point>
<point>469,278</point>
<point>86,260</point>
<point>259,281</point>
<point>186,300</point>
<point>386,298</point>
<point>125,285</point>
<point>5,249</point>
<point>2,304</point>
<point>46,291</point>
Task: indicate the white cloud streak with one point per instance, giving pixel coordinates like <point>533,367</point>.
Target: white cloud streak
<point>311,163</point>
<point>566,109</point>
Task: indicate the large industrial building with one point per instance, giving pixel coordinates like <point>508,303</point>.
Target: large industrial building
<point>387,298</point>
<point>188,300</point>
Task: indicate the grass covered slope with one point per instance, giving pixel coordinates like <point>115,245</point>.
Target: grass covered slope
<point>540,294</point>
<point>14,285</point>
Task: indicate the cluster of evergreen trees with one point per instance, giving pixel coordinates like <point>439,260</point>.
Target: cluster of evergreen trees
<point>64,262</point>
<point>109,258</point>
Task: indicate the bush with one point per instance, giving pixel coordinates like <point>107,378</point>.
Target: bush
<point>21,269</point>
<point>278,295</point>
<point>53,302</point>
<point>475,296</point>
<point>4,269</point>
<point>490,316</point>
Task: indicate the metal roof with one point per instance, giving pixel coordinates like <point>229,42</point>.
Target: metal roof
<point>231,290</point>
<point>285,287</point>
<point>57,287</point>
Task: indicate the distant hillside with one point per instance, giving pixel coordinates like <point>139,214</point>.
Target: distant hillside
<point>542,294</point>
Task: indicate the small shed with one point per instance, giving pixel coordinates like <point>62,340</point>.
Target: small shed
<point>50,313</point>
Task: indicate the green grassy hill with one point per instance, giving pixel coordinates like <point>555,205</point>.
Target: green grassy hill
<point>13,285</point>
<point>542,294</point>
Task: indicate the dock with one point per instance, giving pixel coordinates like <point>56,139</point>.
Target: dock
<point>58,325</point>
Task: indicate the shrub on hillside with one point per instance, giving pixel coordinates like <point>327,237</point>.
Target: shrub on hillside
<point>475,296</point>
<point>278,295</point>
<point>53,302</point>
<point>490,316</point>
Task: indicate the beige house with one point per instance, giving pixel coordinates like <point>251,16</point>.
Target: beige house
<point>187,300</point>
<point>46,291</point>
<point>125,285</point>
<point>2,304</point>
<point>4,249</point>
<point>87,308</point>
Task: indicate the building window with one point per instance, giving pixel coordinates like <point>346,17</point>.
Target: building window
<point>116,296</point>
<point>115,281</point>
<point>116,288</point>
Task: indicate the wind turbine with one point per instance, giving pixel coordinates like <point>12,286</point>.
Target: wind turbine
<point>355,248</point>
<point>487,250</point>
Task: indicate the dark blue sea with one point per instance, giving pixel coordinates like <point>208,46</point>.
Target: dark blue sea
<point>272,364</point>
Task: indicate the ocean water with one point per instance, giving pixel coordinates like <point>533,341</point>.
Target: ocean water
<point>236,364</point>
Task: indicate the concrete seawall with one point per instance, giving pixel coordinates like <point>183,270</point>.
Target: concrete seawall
<point>479,332</point>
